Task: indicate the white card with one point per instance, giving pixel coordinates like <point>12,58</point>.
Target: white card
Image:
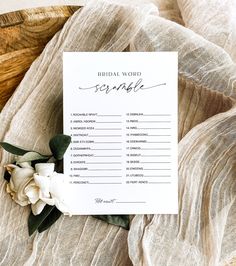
<point>121,111</point>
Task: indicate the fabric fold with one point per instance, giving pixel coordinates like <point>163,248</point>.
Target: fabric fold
<point>214,20</point>
<point>207,190</point>
<point>203,233</point>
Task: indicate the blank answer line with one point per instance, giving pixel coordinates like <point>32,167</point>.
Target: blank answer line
<point>160,149</point>
<point>105,149</point>
<point>159,183</point>
<point>155,155</point>
<point>154,162</point>
<point>154,128</point>
<point>107,128</point>
<point>158,136</point>
<point>104,135</point>
<point>104,163</point>
<point>107,156</point>
<point>167,169</point>
<point>157,176</point>
<point>108,142</point>
<point>108,122</point>
<point>105,183</point>
<point>158,142</point>
<point>100,176</point>
<point>154,121</point>
<point>130,201</point>
<point>110,115</point>
<point>156,114</point>
<point>104,169</point>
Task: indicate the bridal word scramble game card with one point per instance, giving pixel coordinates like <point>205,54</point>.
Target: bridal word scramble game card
<point>120,110</point>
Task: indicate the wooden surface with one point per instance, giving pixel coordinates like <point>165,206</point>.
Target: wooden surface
<point>23,35</point>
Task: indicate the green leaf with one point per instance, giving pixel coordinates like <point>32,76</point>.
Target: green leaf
<point>120,220</point>
<point>32,156</point>
<point>13,149</point>
<point>50,220</point>
<point>59,166</point>
<point>59,145</point>
<point>41,222</point>
<point>35,221</point>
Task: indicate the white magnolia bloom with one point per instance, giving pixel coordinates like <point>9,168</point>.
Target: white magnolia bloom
<point>52,186</point>
<point>37,187</point>
<point>20,179</point>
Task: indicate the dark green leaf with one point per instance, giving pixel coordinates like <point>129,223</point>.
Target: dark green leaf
<point>120,220</point>
<point>50,220</point>
<point>13,149</point>
<point>59,166</point>
<point>35,221</point>
<point>59,145</point>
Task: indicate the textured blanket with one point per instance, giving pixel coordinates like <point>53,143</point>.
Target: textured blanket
<point>204,233</point>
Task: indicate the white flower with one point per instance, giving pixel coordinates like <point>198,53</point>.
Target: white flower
<point>20,178</point>
<point>52,186</point>
<point>37,187</point>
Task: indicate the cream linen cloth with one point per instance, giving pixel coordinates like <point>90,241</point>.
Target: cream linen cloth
<point>204,232</point>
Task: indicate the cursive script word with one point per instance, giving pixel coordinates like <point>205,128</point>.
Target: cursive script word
<point>132,86</point>
<point>100,200</point>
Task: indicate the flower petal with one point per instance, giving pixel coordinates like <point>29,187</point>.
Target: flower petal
<point>21,176</point>
<point>10,167</point>
<point>58,185</point>
<point>43,182</point>
<point>58,190</point>
<point>32,192</point>
<point>49,201</point>
<point>38,207</point>
<point>44,169</point>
